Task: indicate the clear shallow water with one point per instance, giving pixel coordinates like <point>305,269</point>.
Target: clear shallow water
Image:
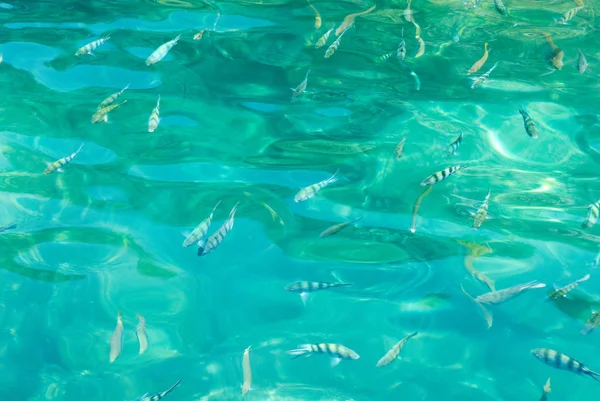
<point>104,237</point>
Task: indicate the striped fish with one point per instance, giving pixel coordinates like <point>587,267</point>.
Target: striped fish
<point>441,175</point>
<point>201,230</point>
<point>304,288</point>
<point>481,214</point>
<point>116,340</point>
<point>337,228</point>
<point>247,371</point>
<point>297,91</point>
<point>562,292</point>
<point>323,39</point>
<point>453,148</point>
<point>142,337</point>
<point>385,57</point>
<point>199,35</point>
<point>90,47</point>
<point>215,240</point>
<point>563,362</point>
<point>158,396</point>
<point>568,15</point>
<point>102,114</point>
<point>592,323</point>
<point>399,149</point>
<point>482,78</point>
<point>162,51</point>
<point>334,46</point>
<point>547,390</point>
<point>592,216</point>
<point>393,353</point>
<point>500,7</point>
<point>336,351</point>
<point>401,50</point>
<point>582,64</point>
<point>112,98</point>
<point>530,126</point>
<point>497,297</point>
<point>61,162</point>
<point>154,119</point>
<point>349,21</point>
<point>311,190</point>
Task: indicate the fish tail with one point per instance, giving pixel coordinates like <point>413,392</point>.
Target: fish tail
<point>80,147</point>
<point>172,387</point>
<point>342,284</point>
<point>534,284</point>
<point>217,205</point>
<point>412,334</point>
<point>593,375</point>
<point>334,177</point>
<point>302,350</point>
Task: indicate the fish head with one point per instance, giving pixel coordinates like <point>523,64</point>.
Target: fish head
<point>538,353</point>
<point>353,355</point>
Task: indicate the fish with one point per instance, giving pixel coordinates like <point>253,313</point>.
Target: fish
<point>102,114</point>
<point>334,46</point>
<point>563,291</point>
<point>500,7</point>
<point>413,226</point>
<point>90,47</point>
<point>399,149</point>
<point>476,251</point>
<point>116,340</point>
<point>500,296</point>
<point>568,15</point>
<point>453,148</point>
<point>421,48</point>
<point>154,119</point>
<point>158,396</point>
<point>162,51</point>
<point>337,228</point>
<point>547,390</point>
<point>557,58</point>
<point>479,63</point>
<point>385,57</point>
<point>481,214</point>
<point>323,39</point>
<point>311,190</point>
<point>441,175</point>
<point>530,126</point>
<point>297,91</point>
<point>199,35</point>
<point>582,63</point>
<point>481,79</point>
<point>201,230</point>
<point>592,216</point>
<point>304,288</point>
<point>578,2</point>
<point>489,320</point>
<point>401,50</point>
<point>247,371</point>
<point>336,351</point>
<point>318,19</point>
<point>408,12</point>
<point>349,21</point>
<point>112,97</point>
<point>561,361</point>
<point>56,166</point>
<point>394,352</point>
<point>455,33</point>
<point>142,337</point>
<point>215,240</point>
<point>592,323</point>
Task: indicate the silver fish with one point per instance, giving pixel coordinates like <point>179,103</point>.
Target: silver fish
<point>112,98</point>
<point>162,51</point>
<point>247,371</point>
<point>582,64</point>
<point>481,79</point>
<point>201,230</point>
<point>592,323</point>
<point>334,46</point>
<point>140,331</point>
<point>399,149</point>
<point>215,240</point>
<point>500,7</point>
<point>481,214</point>
<point>304,288</point>
<point>116,340</point>
<point>441,175</point>
<point>311,190</point>
<point>158,396</point>
<point>337,228</point>
<point>530,126</point>
<point>563,291</point>
<point>154,119</point>
<point>297,91</point>
<point>592,216</point>
<point>453,148</point>
<point>563,362</point>
<point>90,47</point>
<point>336,351</point>
<point>61,162</point>
<point>393,353</point>
<point>323,39</point>
<point>401,51</point>
<point>497,297</point>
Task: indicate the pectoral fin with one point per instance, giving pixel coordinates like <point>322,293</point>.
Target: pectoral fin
<point>335,361</point>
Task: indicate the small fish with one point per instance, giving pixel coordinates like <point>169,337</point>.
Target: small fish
<point>199,35</point>
<point>568,15</point>
<point>394,352</point>
<point>318,19</point>
<point>112,98</point>
<point>455,33</point>
<point>386,57</point>
<point>497,297</point>
<point>311,190</point>
<point>592,216</point>
<point>297,91</point>
<point>481,79</point>
<point>582,64</point>
<point>479,63</point>
<point>102,114</point>
<point>453,148</point>
<point>530,126</point>
<point>116,340</point>
<point>154,119</point>
<point>557,58</point>
<point>162,51</point>
<point>481,214</point>
<point>247,371</point>
<point>336,351</point>
<point>500,7</point>
<point>563,291</point>
<point>413,226</point>
<point>408,12</point>
<point>142,337</point>
<point>215,240</point>
<point>486,314</point>
<point>421,49</point>
<point>158,396</point>
<point>201,230</point>
<point>349,21</point>
<point>304,288</point>
<point>334,46</point>
<point>401,51</point>
<point>337,228</point>
<point>61,162</point>
<point>547,390</point>
<point>476,251</point>
<point>399,149</point>
<point>563,362</point>
<point>592,323</point>
<point>441,175</point>
<point>90,47</point>
<point>323,39</point>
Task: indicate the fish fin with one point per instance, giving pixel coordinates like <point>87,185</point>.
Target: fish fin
<point>302,350</point>
<point>335,362</point>
<point>584,278</point>
<point>186,233</point>
<point>60,170</point>
<point>593,375</point>
<point>200,251</point>
<point>201,243</point>
<point>304,297</point>
<point>555,286</point>
<point>536,284</point>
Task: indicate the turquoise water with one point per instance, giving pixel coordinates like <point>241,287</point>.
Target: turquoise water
<point>104,237</point>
